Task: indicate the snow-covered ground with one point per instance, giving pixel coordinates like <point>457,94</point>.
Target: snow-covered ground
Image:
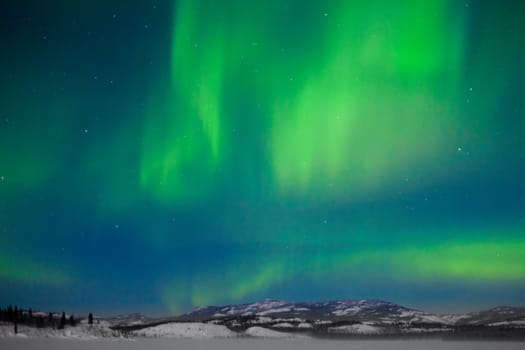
<point>452,318</point>
<point>186,330</point>
<point>305,325</point>
<point>356,329</point>
<point>16,343</point>
<point>283,325</point>
<point>82,331</point>
<point>260,332</point>
<point>516,323</point>
<point>422,317</point>
<point>168,330</point>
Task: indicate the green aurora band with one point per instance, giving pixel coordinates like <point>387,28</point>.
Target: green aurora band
<point>367,100</point>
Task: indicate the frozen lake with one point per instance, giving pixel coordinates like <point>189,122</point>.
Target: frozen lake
<point>255,344</point>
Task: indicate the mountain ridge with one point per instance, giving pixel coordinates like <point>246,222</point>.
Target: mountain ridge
<point>360,310</point>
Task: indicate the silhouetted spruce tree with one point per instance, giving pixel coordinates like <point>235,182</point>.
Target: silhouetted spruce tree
<point>22,317</point>
<point>90,318</point>
<point>63,320</point>
<point>15,319</point>
<point>39,321</point>
<point>10,314</point>
<point>30,315</point>
<point>72,321</point>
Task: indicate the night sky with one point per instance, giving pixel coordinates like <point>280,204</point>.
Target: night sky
<point>156,156</point>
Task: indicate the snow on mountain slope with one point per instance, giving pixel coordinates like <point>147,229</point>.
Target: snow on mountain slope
<point>376,311</point>
<point>305,325</point>
<point>363,310</point>
<point>274,311</point>
<point>421,317</point>
<point>493,316</point>
<point>283,325</point>
<point>454,318</point>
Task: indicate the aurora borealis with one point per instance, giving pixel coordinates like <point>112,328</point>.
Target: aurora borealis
<point>160,156</point>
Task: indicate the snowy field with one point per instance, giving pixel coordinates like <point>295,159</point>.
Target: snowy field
<point>16,343</point>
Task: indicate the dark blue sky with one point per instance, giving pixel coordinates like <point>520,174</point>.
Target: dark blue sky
<point>160,156</point>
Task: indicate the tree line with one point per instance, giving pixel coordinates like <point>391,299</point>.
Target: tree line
<point>18,316</point>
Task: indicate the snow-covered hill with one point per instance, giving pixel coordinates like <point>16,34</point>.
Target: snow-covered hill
<point>101,329</point>
<point>186,330</point>
<point>261,332</point>
<point>346,310</point>
<point>498,316</point>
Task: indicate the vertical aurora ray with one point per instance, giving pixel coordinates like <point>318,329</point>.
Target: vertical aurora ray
<point>184,142</point>
<point>345,117</point>
<point>197,74</point>
<point>377,103</point>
